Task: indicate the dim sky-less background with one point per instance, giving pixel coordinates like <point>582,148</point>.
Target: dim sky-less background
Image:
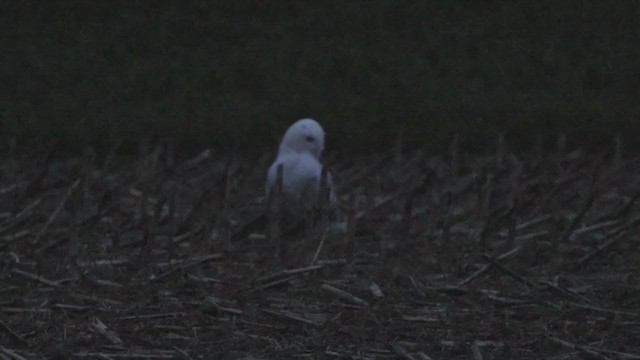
<point>235,74</point>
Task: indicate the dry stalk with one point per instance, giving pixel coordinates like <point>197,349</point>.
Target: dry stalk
<point>509,272</point>
<point>185,266</point>
<point>401,352</point>
<point>34,277</point>
<point>10,354</point>
<point>99,327</point>
<point>577,220</point>
<point>587,350</point>
<point>618,152</point>
<point>486,267</point>
<point>57,211</point>
<point>12,333</point>
<point>475,351</point>
<point>319,248</point>
<point>344,295</point>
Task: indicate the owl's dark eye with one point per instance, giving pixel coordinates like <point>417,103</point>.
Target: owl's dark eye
<point>310,139</point>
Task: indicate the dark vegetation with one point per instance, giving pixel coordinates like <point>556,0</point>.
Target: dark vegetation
<point>227,74</point>
<point>452,257</point>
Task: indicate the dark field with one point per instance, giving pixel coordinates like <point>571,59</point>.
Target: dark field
<point>452,257</point>
<point>453,252</point>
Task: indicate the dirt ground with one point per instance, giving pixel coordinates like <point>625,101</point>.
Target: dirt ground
<point>445,257</point>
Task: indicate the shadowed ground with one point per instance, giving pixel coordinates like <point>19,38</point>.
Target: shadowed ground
<point>453,256</point>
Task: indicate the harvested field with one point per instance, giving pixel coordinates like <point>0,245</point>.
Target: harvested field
<point>450,257</point>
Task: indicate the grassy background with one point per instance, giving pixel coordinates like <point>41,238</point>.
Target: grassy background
<point>228,74</point>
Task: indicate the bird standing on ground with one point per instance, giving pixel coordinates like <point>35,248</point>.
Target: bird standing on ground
<point>299,154</point>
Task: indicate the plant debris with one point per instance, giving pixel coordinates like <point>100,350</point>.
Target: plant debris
<point>454,256</point>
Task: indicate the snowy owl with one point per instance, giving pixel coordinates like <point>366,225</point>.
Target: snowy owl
<point>299,155</point>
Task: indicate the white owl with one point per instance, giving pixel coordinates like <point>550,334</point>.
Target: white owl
<point>299,155</point>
